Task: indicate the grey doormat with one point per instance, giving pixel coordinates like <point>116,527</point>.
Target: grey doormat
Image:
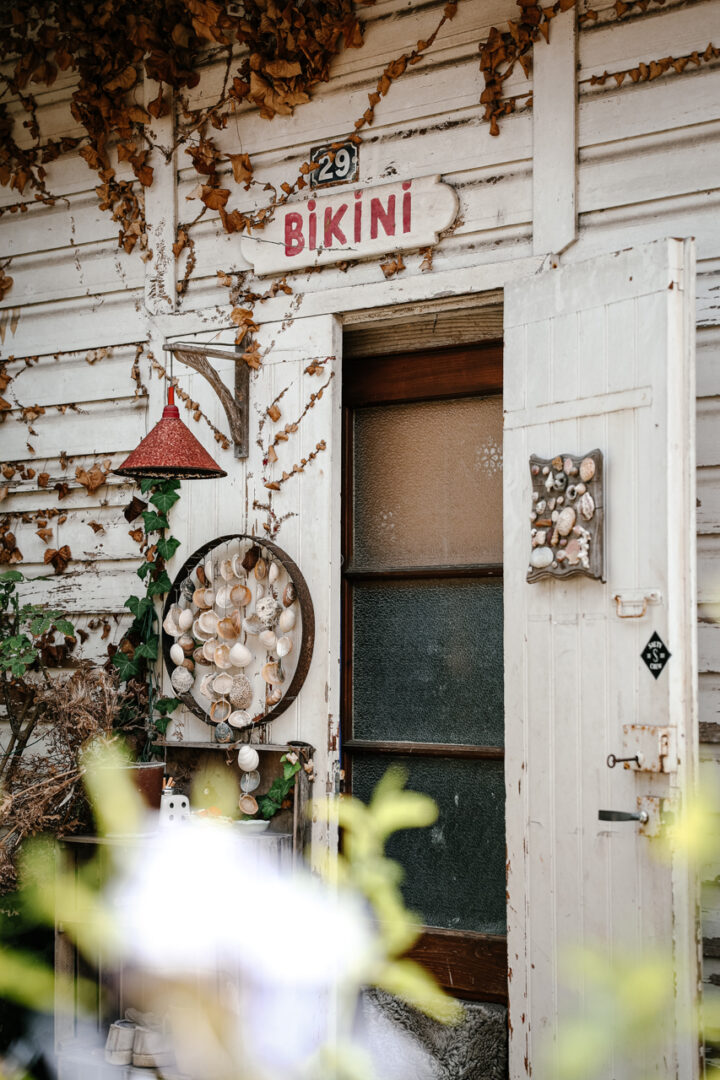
<point>406,1045</point>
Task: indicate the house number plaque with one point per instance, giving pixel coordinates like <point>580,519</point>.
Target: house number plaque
<point>566,516</point>
<point>338,164</point>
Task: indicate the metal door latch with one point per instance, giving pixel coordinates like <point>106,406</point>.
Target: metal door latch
<point>623,815</point>
<point>650,814</point>
<point>655,749</point>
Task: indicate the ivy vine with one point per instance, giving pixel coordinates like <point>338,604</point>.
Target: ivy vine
<point>139,649</point>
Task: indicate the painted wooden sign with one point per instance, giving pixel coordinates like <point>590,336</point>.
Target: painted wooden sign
<point>359,224</point>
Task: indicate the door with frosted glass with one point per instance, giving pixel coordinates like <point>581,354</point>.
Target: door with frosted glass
<point>423,636</point>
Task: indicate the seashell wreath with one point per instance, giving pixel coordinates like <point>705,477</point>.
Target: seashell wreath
<point>233,629</point>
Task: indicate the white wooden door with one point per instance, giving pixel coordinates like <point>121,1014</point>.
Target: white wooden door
<point>600,354</point>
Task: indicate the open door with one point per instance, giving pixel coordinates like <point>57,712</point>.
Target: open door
<point>601,355</point>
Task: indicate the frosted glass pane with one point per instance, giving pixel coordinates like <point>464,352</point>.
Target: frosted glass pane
<point>455,869</point>
<point>428,661</point>
<point>428,484</point>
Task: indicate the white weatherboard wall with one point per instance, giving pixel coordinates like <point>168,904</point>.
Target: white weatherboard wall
<point>647,156</point>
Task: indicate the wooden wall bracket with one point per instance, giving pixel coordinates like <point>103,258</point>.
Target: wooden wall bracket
<point>236,405</point>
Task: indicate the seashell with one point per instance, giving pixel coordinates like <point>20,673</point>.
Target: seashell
<point>560,500</point>
<point>187,588</point>
<point>188,663</point>
<point>220,710</point>
<point>555,515</point>
<point>226,629</point>
<point>551,504</point>
<point>181,680</point>
<point>240,595</point>
<point>170,626</point>
<point>240,655</point>
<point>533,516</point>
<point>251,557</point>
<point>187,644</point>
<point>248,758</point>
<point>209,570</point>
<point>208,622</point>
<point>202,580</point>
<point>199,656</point>
<point>237,621</point>
<point>557,463</point>
<point>586,505</point>
<point>206,686</point>
<point>587,469</point>
<point>240,719</point>
<point>559,481</point>
<point>274,697</point>
<point>572,552</point>
<point>273,573</point>
<point>222,596</point>
<point>565,521</point>
<point>248,805</point>
<point>176,653</point>
<point>541,557</point>
<point>201,634</point>
<point>241,692</point>
<point>287,619</point>
<point>545,470</point>
<point>272,673</point>
<point>237,566</point>
<point>569,467</point>
<point>226,570</point>
<point>267,610</point>
<point>268,639</point>
<point>260,569</point>
<point>571,492</point>
<point>253,624</point>
<point>289,594</point>
<point>260,591</point>
<point>535,496</point>
<point>541,506</point>
<point>199,599</point>
<point>209,649</point>
<point>222,684</point>
<point>249,781</point>
<point>284,645</point>
<point>224,733</point>
<point>580,488</point>
<point>539,538</point>
<point>221,657</point>
<point>185,619</point>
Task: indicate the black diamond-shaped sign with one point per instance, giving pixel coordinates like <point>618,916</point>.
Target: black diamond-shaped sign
<point>656,655</point>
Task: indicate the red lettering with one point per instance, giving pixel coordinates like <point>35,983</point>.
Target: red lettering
<point>407,207</point>
<point>332,225</point>
<point>385,216</point>
<point>312,226</point>
<point>294,240</point>
<point>358,216</point>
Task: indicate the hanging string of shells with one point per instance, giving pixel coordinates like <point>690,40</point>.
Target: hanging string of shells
<point>233,634</point>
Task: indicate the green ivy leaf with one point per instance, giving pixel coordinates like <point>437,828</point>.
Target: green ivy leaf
<point>11,576</point>
<point>143,571</point>
<point>126,667</point>
<point>167,546</point>
<point>161,586</point>
<point>167,705</point>
<point>147,484</point>
<point>139,606</point>
<point>154,522</point>
<point>65,627</point>
<point>40,625</point>
<point>161,724</point>
<point>164,499</point>
<point>147,649</point>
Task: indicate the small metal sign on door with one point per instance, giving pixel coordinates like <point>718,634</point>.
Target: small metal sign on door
<point>338,164</point>
<point>656,655</point>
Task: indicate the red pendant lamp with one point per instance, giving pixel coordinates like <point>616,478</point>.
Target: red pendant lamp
<point>170,450</point>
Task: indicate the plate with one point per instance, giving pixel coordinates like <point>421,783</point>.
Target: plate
<point>253,828</point>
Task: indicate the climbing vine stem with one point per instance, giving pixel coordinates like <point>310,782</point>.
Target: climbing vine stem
<point>136,656</point>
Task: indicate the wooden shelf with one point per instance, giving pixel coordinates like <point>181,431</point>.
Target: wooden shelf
<point>276,748</point>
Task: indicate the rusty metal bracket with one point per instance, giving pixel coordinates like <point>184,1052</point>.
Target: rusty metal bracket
<point>235,404</point>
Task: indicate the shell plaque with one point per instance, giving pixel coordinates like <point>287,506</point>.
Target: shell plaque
<point>566,516</point>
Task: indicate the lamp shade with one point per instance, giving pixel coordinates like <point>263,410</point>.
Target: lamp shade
<point>170,450</point>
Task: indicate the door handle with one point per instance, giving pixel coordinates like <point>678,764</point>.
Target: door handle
<point>623,815</point>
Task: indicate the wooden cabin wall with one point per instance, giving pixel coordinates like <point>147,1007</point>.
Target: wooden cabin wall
<point>80,309</point>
